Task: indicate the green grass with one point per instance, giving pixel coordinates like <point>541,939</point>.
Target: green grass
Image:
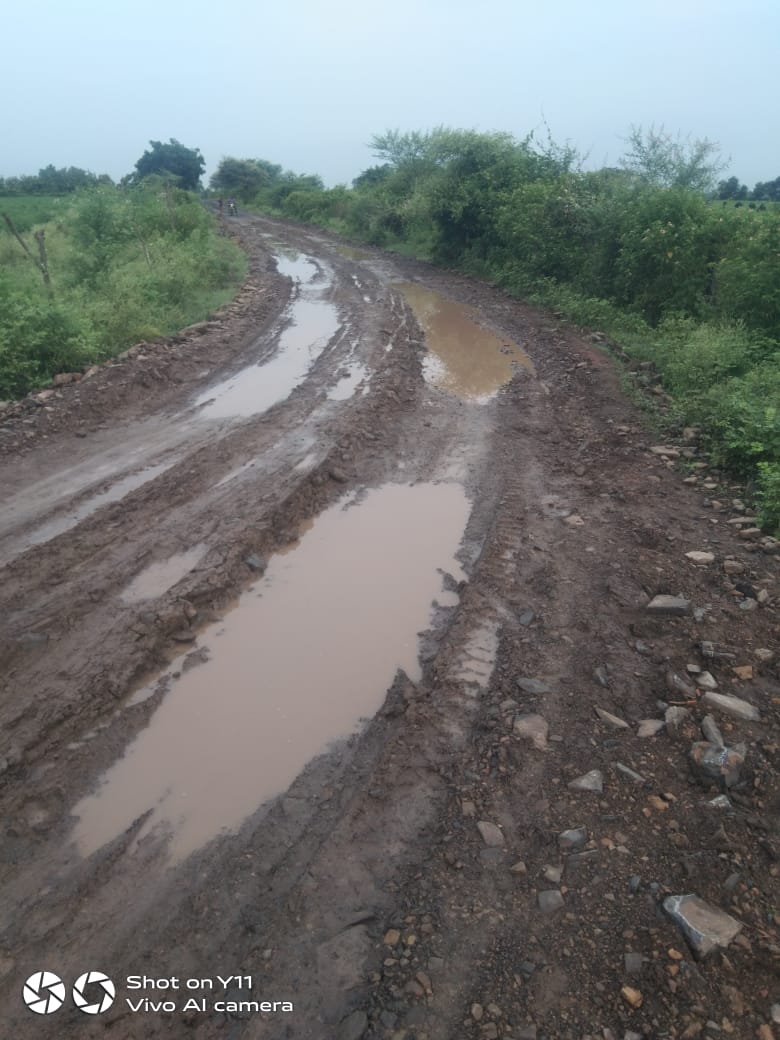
<point>28,210</point>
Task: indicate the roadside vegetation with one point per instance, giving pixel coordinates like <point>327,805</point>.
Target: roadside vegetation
<point>100,266</point>
<point>656,253</point>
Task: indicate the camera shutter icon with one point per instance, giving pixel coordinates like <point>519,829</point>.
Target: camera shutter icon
<point>44,992</point>
<point>93,992</point>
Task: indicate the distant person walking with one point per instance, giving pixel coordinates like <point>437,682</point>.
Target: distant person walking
<point>232,211</point>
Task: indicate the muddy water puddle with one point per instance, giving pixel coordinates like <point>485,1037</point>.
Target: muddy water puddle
<point>308,652</point>
<point>311,322</point>
<point>463,357</point>
<point>352,375</point>
<point>162,575</point>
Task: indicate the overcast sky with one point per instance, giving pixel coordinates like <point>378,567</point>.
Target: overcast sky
<point>306,83</point>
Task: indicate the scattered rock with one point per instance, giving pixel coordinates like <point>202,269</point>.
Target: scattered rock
<point>674,717</point>
<point>650,727</point>
<point>353,1026</point>
<point>706,681</point>
<point>705,927</point>
<point>601,675</point>
<point>338,475</point>
<point>611,719</point>
<point>572,839</point>
<point>671,606</point>
<point>743,671</point>
<point>715,762</point>
<point>679,687</point>
<point>534,686</point>
<point>526,617</point>
<point>491,834</point>
<point>592,781</point>
<point>574,521</point>
<point>553,874</point>
<point>631,996</point>
<point>630,773</point>
<point>519,868</point>
<point>550,901</point>
<point>734,706</point>
<point>533,728</point>
<point>392,937</point>
<point>711,732</point>
<point>720,802</point>
<point>733,567</point>
<point>633,963</point>
<point>665,449</point>
<point>64,378</point>
<point>764,655</point>
<point>700,557</point>
<point>256,563</point>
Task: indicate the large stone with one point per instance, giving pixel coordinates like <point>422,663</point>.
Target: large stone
<point>679,686</point>
<point>711,732</point>
<point>533,728</point>
<point>572,839</point>
<point>353,1026</point>
<point>592,781</point>
<point>705,927</point>
<point>491,834</point>
<point>550,901</point>
<point>700,557</point>
<point>671,606</point>
<point>734,706</point>
<point>675,716</point>
<point>713,762</point>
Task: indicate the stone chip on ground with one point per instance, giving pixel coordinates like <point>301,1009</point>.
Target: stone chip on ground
<point>730,705</point>
<point>705,927</point>
<point>592,781</point>
<point>491,834</point>
<point>671,606</point>
<point>533,728</point>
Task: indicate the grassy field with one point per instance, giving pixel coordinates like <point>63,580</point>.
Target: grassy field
<point>28,210</point>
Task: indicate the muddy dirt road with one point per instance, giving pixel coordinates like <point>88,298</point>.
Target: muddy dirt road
<point>332,678</point>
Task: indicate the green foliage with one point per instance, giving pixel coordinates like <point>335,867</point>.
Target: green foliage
<point>51,181</point>
<point>672,162</point>
<point>27,210</point>
<point>243,179</point>
<point>172,160</point>
<point>127,264</point>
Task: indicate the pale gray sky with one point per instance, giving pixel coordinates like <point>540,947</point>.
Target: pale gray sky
<point>306,83</point>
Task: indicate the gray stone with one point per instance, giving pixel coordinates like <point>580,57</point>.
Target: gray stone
<point>553,874</point>
<point>601,676</point>
<point>714,762</point>
<point>705,927</point>
<point>572,839</point>
<point>353,1026</point>
<point>256,563</point>
<point>533,728</point>
<point>338,475</point>
<point>775,1013</point>
<point>734,706</point>
<point>550,901</point>
<point>699,556</point>
<point>491,834</point>
<point>526,617</point>
<point>680,687</point>
<point>711,731</point>
<point>706,681</point>
<point>721,802</point>
<point>534,686</point>
<point>671,606</point>
<point>674,717</point>
<point>630,773</point>
<point>592,781</point>
<point>610,719</point>
<point>650,727</point>
<point>764,655</point>
<point>633,962</point>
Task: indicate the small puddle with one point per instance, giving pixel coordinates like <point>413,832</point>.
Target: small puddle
<point>351,376</point>
<point>308,652</point>
<point>117,491</point>
<point>162,575</point>
<point>312,322</point>
<point>463,357</point>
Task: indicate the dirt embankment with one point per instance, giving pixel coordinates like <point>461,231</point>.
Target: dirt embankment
<point>493,854</point>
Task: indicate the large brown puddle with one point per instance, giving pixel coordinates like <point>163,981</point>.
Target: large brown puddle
<point>463,357</point>
<point>312,321</point>
<point>308,652</point>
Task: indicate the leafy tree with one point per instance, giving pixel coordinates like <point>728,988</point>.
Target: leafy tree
<point>672,162</point>
<point>243,178</point>
<point>172,159</point>
<point>768,190</point>
<point>732,189</point>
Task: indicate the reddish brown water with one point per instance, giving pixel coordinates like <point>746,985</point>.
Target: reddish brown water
<point>308,652</point>
<point>463,356</point>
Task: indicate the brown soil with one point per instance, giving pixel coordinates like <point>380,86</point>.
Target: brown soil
<point>366,894</point>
